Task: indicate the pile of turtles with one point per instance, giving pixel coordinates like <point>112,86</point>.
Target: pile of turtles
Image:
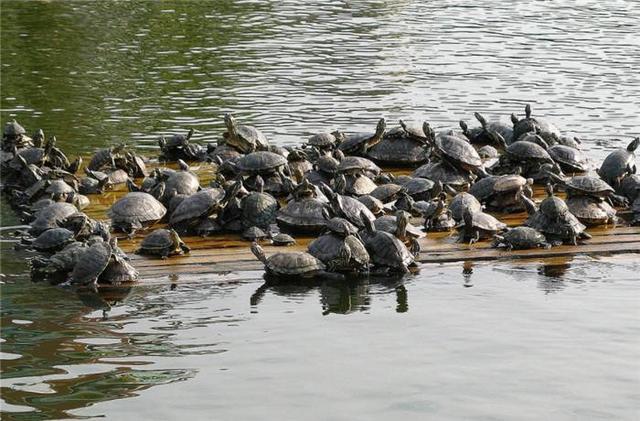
<point>332,186</point>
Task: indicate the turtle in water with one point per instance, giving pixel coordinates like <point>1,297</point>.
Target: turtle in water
<point>520,238</point>
<point>619,163</point>
<point>360,143</point>
<point>164,243</point>
<point>292,265</point>
<point>244,138</point>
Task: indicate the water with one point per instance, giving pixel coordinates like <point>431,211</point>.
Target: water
<point>523,340</point>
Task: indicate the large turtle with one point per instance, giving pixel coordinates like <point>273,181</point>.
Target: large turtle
<point>258,208</point>
<point>294,265</point>
<point>193,209</point>
<point>244,138</point>
<point>261,162</point>
<point>457,152</point>
<point>164,243</point>
<point>91,263</point>
<point>571,160</point>
<point>446,174</point>
<point>591,211</point>
<point>619,163</point>
<point>51,216</point>
<point>359,143</point>
<point>410,149</point>
<point>304,214</point>
<point>134,211</point>
<point>53,240</point>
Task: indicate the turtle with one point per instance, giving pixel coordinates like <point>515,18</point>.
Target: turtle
<point>400,226</point>
<point>117,272</point>
<point>457,152</point>
<point>587,185</point>
<point>408,150</point>
<point>388,192</point>
<point>374,205</point>
<point>491,133</point>
<point>224,153</point>
<point>59,191</point>
<point>57,266</point>
<point>51,216</point>
<point>261,162</point>
<point>354,184</point>
<point>446,174</point>
<point>325,141</point>
<point>199,206</point>
<point>501,193</point>
<point>570,160</point>
<point>629,187</point>
<point>164,243</point>
<point>488,152</point>
<point>386,251</point>
<point>325,168</point>
<point>258,208</point>
<point>13,130</point>
<point>479,225</point>
<point>421,188</point>
<point>282,239</point>
<point>435,213</point>
<point>572,142</point>
<point>591,211</point>
<point>347,207</point>
<point>182,182</point>
<point>523,158</point>
<point>305,214</point>
<point>530,124</point>
<point>359,143</point>
<point>554,220</point>
<point>91,263</point>
<point>357,165</point>
<point>299,164</point>
<point>341,253</point>
<point>619,163</point>
<point>134,211</point>
<point>105,157</point>
<point>290,265</point>
<point>254,234</point>
<point>53,240</point>
<point>520,238</point>
<point>89,185</point>
<point>244,138</point>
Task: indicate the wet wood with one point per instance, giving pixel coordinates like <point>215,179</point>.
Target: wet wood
<point>229,253</point>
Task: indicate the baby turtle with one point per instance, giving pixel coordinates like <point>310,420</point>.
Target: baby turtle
<point>164,243</point>
<point>359,143</point>
<point>290,265</point>
<point>520,238</point>
<point>282,239</point>
<point>478,226</point>
<point>134,211</point>
<point>244,138</point>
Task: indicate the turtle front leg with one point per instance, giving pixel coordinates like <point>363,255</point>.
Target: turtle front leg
<point>475,238</point>
<point>414,247</point>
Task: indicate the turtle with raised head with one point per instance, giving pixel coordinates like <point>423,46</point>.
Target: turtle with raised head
<point>360,143</point>
<point>619,163</point>
<point>479,225</point>
<point>293,265</point>
<point>246,139</point>
<point>386,251</point>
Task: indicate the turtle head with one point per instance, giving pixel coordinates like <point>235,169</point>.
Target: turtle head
<point>429,133</point>
<point>162,142</point>
<point>158,190</point>
<point>175,238</point>
<point>258,252</point>
<point>183,166</point>
<point>549,189</point>
<point>514,119</point>
<point>191,132</point>
<point>131,186</point>
<point>633,145</point>
<point>338,155</point>
<point>402,220</point>
<point>527,110</point>
<point>528,203</point>
<point>381,127</point>
<point>38,138</point>
<point>465,128</point>
<point>230,122</point>
<point>259,184</point>
<point>467,217</point>
<point>481,120</point>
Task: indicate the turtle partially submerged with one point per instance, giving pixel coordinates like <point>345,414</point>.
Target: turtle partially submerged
<point>478,226</point>
<point>360,143</point>
<point>293,265</point>
<point>619,163</point>
<point>164,243</point>
<point>520,238</point>
<point>134,211</point>
<point>244,138</point>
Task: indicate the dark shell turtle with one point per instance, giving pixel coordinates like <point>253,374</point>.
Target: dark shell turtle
<point>591,211</point>
<point>117,272</point>
<point>325,141</point>
<point>489,133</point>
<point>479,225</point>
<point>400,226</point>
<point>524,151</point>
<point>282,239</point>
<point>463,202</point>
<point>445,174</point>
<point>303,215</point>
<point>91,263</point>
<point>299,164</point>
<point>134,211</point>
<point>340,253</point>
<point>585,185</point>
<point>570,160</point>
<point>348,208</point>
<point>51,217</point>
<point>259,209</point>
<point>53,240</point>
<point>387,192</point>
<point>176,141</point>
<point>328,164</point>
<point>403,150</point>
<point>261,162</point>
<point>374,205</point>
<point>254,234</point>
<point>198,206</point>
<point>245,138</point>
<point>385,249</point>
<point>89,185</point>
<point>62,262</point>
<point>530,124</point>
<point>340,226</point>
<point>619,163</point>
<point>421,188</point>
<point>164,243</point>
<point>501,193</point>
<point>458,152</point>
<point>13,129</point>
<point>356,164</point>
<point>224,153</point>
<point>294,264</point>
<point>105,157</point>
<point>359,143</point>
<point>630,187</point>
<point>520,238</point>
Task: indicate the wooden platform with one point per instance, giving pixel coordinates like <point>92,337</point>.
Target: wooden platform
<point>229,253</point>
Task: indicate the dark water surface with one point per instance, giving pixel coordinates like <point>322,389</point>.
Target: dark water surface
<point>525,340</point>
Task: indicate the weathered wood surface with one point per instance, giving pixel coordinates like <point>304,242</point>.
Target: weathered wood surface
<point>229,253</point>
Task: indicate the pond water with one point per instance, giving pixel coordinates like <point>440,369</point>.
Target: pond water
<point>557,339</point>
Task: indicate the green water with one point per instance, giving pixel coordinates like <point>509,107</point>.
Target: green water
<point>509,340</point>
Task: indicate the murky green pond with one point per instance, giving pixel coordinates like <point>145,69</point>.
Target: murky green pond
<point>525,340</point>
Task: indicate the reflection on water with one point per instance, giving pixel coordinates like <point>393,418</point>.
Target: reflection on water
<point>517,342</point>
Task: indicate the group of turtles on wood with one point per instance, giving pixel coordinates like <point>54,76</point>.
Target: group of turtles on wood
<point>366,220</point>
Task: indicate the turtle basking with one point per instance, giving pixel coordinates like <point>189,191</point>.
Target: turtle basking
<point>164,243</point>
<point>520,238</point>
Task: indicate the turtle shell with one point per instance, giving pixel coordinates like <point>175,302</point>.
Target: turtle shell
<point>389,223</point>
<point>357,163</point>
<point>353,209</point>
<point>387,192</point>
<point>65,260</point>
<point>359,184</point>
<point>630,187</point>
<point>387,250</point>
<point>399,151</point>
<point>261,161</point>
<point>282,239</point>
<point>245,138</point>
<point>198,205</point>
<point>354,142</point>
<point>341,226</point>
<point>259,209</point>
<point>523,151</point>
<point>329,248</point>
<point>484,188</point>
<point>136,208</point>
<point>322,140</point>
<point>52,240</point>
<point>374,205</point>
<point>157,242</point>
<point>294,263</point>
<point>225,153</point>
<point>507,183</point>
<point>617,163</point>
<point>253,234</point>
<point>305,214</point>
<point>521,238</point>
<point>328,164</point>
<point>446,174</point>
<point>118,271</point>
<point>553,207</point>
<point>59,187</point>
<point>91,263</point>
<point>591,211</point>
<point>589,185</point>
<point>418,188</point>
<point>487,222</point>
<point>51,217</point>
<point>458,151</point>
<point>488,152</point>
<point>181,182</point>
<point>461,202</point>
<point>569,159</point>
<point>13,129</point>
